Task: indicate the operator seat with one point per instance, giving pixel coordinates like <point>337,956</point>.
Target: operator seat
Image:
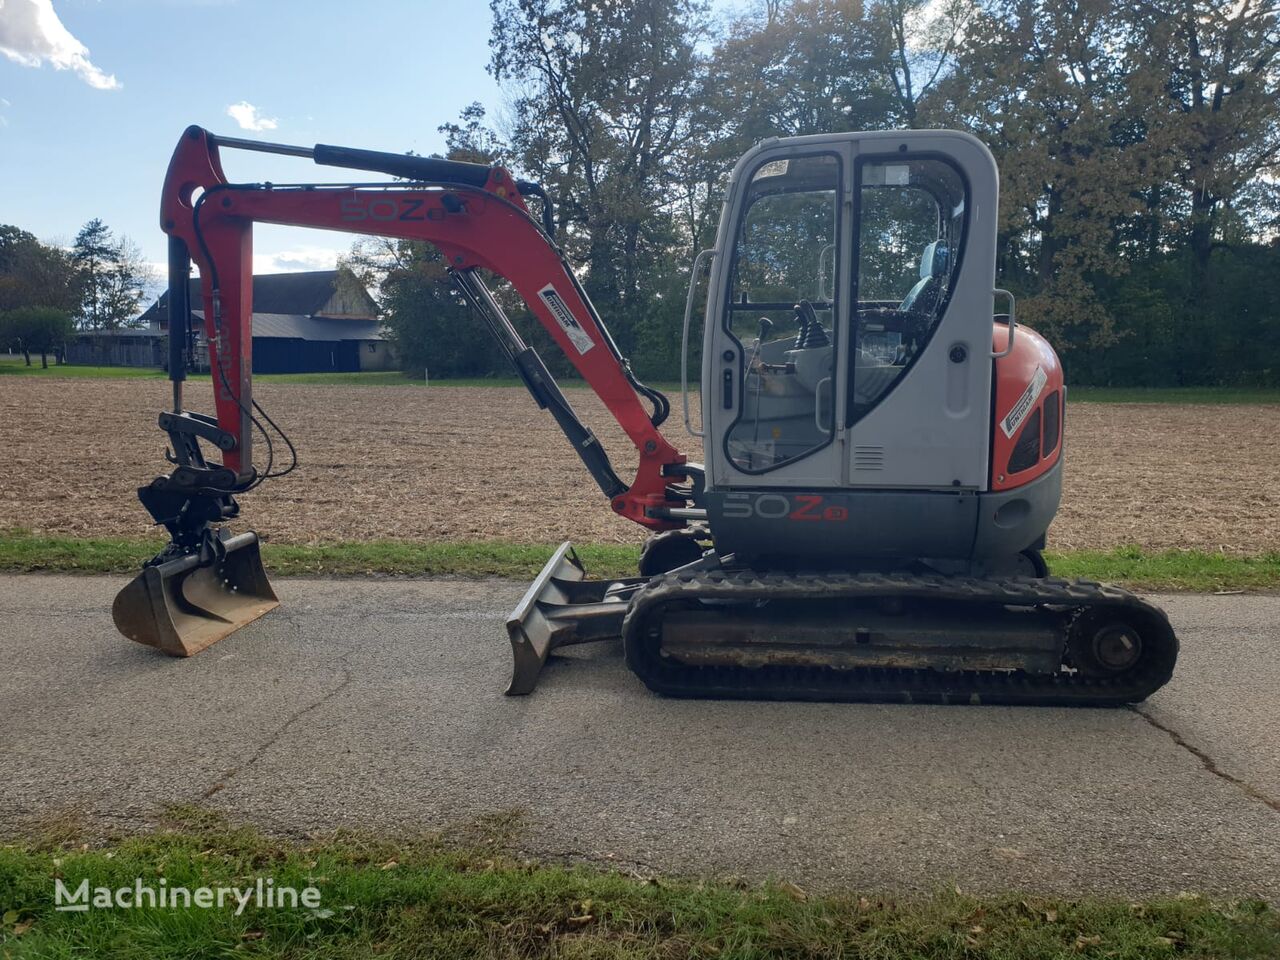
<point>934,264</point>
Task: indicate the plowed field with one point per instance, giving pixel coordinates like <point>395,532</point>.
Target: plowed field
<point>483,463</point>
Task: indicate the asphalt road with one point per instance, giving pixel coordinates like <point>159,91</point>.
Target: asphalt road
<point>379,705</point>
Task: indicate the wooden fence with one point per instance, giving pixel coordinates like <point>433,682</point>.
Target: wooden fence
<point>117,351</point>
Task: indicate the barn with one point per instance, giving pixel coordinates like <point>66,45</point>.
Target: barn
<point>311,322</point>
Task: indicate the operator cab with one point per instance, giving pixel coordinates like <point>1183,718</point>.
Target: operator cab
<point>784,291</point>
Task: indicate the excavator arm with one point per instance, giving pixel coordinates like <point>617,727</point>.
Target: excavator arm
<point>205,585</point>
<point>477,218</point>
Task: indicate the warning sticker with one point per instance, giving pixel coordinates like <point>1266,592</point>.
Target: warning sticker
<point>564,316</point>
<point>1013,419</point>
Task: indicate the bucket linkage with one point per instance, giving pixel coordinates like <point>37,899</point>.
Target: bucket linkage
<point>206,583</point>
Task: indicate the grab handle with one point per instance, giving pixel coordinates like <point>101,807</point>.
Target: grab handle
<point>684,339</point>
<point>1013,323</point>
<point>817,404</point>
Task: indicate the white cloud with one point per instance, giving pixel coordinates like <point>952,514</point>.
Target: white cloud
<point>296,260</point>
<point>31,33</point>
<point>246,114</point>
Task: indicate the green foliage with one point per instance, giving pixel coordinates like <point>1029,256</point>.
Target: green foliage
<point>606,98</point>
<point>113,277</point>
<point>1195,570</point>
<point>41,330</point>
<point>425,317</point>
<point>33,274</point>
<point>1223,329</point>
<point>1134,142</point>
<point>461,893</point>
<point>1139,147</point>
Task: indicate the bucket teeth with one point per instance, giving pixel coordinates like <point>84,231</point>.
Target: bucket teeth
<point>180,606</point>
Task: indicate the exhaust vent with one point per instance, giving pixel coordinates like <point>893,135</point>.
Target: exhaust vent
<point>868,458</point>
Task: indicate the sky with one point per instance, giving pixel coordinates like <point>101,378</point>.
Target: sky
<point>95,93</point>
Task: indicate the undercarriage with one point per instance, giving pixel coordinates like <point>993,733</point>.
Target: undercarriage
<point>718,629</point>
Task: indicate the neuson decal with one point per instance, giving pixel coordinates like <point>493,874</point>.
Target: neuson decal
<point>564,316</point>
<point>1013,419</point>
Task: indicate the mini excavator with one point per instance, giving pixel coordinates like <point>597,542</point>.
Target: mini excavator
<point>881,450</point>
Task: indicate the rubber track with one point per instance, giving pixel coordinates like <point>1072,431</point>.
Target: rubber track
<point>668,677</point>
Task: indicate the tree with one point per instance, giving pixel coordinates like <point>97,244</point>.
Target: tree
<point>33,274</point>
<point>800,67</point>
<point>1056,88</point>
<point>473,141</point>
<point>603,98</point>
<point>785,68</point>
<point>1138,144</point>
<point>1217,115</point>
<point>922,39</point>
<point>113,277</point>
<point>425,317</point>
<point>42,330</point>
<point>93,253</point>
<point>125,285</point>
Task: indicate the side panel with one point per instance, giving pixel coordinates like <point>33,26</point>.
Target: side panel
<point>1010,521</point>
<point>844,525</point>
<point>1030,401</point>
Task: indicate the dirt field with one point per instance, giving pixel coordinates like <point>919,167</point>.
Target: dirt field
<point>479,463</point>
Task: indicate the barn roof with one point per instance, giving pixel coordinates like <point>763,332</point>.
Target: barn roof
<point>286,294</point>
<point>290,326</point>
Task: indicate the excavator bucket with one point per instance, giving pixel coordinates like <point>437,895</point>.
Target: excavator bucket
<point>183,605</point>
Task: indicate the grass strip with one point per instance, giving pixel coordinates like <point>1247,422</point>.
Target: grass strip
<point>14,367</point>
<point>1171,570</point>
<point>462,895</point>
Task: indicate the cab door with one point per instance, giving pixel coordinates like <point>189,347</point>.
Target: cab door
<point>848,334</point>
<point>777,318</point>
<point>917,407</point>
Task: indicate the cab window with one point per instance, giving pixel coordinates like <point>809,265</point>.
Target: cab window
<point>911,220</point>
<point>781,309</point>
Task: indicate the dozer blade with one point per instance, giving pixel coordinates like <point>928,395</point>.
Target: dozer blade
<point>181,607</point>
<point>560,608</point>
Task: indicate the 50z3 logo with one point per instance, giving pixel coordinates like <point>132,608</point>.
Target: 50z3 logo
<point>799,507</point>
<point>361,206</point>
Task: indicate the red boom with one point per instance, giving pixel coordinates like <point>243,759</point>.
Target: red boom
<point>489,228</point>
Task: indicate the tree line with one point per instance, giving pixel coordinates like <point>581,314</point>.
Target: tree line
<point>47,292</point>
<point>1138,142</point>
